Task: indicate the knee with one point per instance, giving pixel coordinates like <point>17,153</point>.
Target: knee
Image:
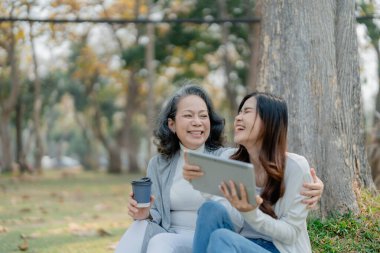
<point>211,209</point>
<point>156,240</point>
<point>159,243</point>
<point>219,239</point>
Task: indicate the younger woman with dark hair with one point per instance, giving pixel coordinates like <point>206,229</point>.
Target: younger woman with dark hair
<point>278,222</point>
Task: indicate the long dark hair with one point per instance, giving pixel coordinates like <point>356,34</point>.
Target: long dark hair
<point>167,142</point>
<point>274,115</point>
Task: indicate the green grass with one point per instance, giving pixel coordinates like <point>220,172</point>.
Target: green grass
<point>349,232</point>
<point>87,212</point>
<point>58,212</point>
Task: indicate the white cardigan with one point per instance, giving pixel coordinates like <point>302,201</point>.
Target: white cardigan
<point>289,231</point>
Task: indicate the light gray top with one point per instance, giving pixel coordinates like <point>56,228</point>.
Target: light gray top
<point>289,231</point>
<point>162,171</point>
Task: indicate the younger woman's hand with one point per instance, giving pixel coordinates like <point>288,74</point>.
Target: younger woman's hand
<point>138,213</point>
<point>191,171</point>
<point>312,190</point>
<point>242,203</point>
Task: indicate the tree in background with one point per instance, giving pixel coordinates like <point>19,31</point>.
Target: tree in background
<point>10,37</point>
<point>218,54</point>
<point>309,55</point>
<point>366,9</point>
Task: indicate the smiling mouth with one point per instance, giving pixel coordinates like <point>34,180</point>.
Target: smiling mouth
<point>196,133</point>
<point>239,128</point>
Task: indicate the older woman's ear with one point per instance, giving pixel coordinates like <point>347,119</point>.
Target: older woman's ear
<point>171,125</point>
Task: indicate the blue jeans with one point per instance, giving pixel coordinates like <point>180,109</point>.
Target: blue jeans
<point>214,233</point>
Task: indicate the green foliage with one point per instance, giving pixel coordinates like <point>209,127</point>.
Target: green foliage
<point>5,87</point>
<point>373,31</point>
<point>348,232</point>
<point>188,45</point>
<point>134,56</point>
<point>182,35</point>
<point>106,101</point>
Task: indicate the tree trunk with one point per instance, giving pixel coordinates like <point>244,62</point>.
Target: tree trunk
<point>113,150</point>
<point>255,30</point>
<point>377,108</point>
<point>20,152</point>
<point>310,57</point>
<point>149,63</point>
<point>130,139</point>
<point>37,104</point>
<point>114,158</point>
<point>8,105</point>
<point>229,85</point>
<point>89,158</point>
<point>6,154</point>
<point>18,128</point>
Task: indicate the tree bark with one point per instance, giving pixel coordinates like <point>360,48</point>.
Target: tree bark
<point>255,31</point>
<point>89,159</point>
<point>6,154</point>
<point>8,105</point>
<point>37,105</point>
<point>131,141</point>
<point>129,138</point>
<point>377,107</point>
<point>114,163</point>
<point>310,57</point>
<point>229,85</point>
<point>20,151</point>
<point>113,150</point>
<point>150,66</point>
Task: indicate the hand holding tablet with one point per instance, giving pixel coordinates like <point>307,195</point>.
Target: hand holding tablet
<point>217,170</point>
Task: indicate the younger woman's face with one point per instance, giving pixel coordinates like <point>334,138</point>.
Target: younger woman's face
<point>192,122</point>
<point>248,125</point>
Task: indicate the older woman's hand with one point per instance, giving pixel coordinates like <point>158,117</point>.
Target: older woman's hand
<point>313,190</point>
<point>138,213</point>
<point>191,171</point>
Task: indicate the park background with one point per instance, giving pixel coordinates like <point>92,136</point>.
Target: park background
<point>81,83</point>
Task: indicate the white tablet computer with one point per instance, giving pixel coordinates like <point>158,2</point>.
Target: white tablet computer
<point>218,169</point>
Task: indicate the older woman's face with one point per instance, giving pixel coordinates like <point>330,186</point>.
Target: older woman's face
<point>192,122</point>
<point>248,125</point>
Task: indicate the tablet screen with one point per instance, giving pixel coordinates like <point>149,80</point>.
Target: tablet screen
<point>218,169</point>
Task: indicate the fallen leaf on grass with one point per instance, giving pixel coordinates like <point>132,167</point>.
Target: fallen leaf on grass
<point>3,229</point>
<point>59,196</point>
<point>87,230</point>
<point>101,207</point>
<point>112,246</point>
<point>25,210</point>
<point>24,245</point>
<point>25,196</point>
<point>103,232</point>
<point>33,219</point>
<point>84,233</point>
<point>43,210</point>
<point>78,230</point>
<point>31,236</point>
